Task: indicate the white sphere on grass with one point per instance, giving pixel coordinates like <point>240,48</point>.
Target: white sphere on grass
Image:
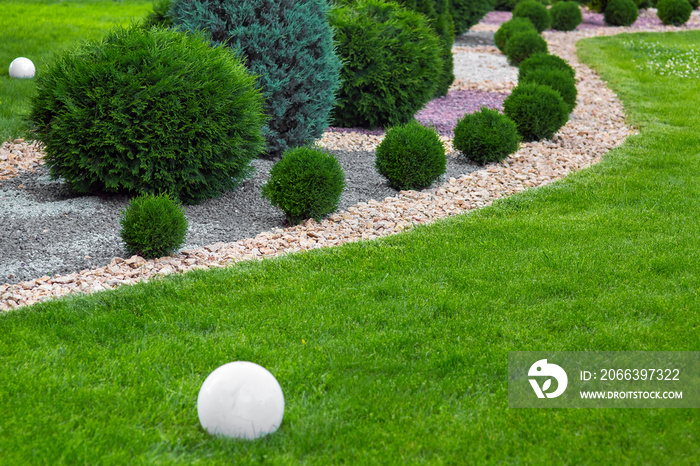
<point>241,400</point>
<point>22,68</point>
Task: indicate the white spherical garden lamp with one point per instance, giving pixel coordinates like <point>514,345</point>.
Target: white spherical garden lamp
<point>241,400</point>
<point>22,68</point>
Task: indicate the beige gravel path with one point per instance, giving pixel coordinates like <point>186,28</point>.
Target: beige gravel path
<point>596,126</point>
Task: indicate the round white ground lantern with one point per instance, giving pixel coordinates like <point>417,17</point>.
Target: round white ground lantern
<point>22,68</point>
<point>241,400</point>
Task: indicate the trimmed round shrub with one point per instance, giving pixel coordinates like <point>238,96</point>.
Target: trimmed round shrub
<point>288,45</point>
<point>566,16</point>
<point>411,156</point>
<point>467,13</point>
<point>535,12</point>
<point>559,80</point>
<point>538,111</point>
<point>620,13</point>
<point>544,61</point>
<point>389,55</point>
<point>486,136</point>
<point>149,111</point>
<point>510,27</point>
<point>306,183</point>
<point>522,45</point>
<point>153,226</point>
<point>674,12</point>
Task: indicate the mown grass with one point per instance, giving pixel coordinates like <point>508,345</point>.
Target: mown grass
<point>395,351</point>
<point>36,29</point>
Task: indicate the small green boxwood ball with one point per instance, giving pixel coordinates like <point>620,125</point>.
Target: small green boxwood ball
<point>153,226</point>
<point>566,16</point>
<point>546,61</point>
<point>674,12</point>
<point>486,136</point>
<point>621,13</point>
<point>559,80</point>
<point>411,156</point>
<point>306,183</point>
<point>509,28</point>
<point>523,44</point>
<point>538,111</point>
<point>535,12</point>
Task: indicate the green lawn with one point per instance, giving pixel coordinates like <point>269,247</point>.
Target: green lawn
<point>395,351</point>
<point>36,29</point>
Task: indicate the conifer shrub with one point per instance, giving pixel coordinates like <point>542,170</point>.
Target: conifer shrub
<point>535,12</point>
<point>674,12</point>
<point>159,16</point>
<point>620,13</point>
<point>149,110</point>
<point>288,45</point>
<point>411,156</point>
<point>559,80</point>
<point>505,5</point>
<point>510,27</point>
<point>544,61</point>
<point>389,56</point>
<point>486,136</point>
<point>566,16</point>
<point>467,13</point>
<point>438,13</point>
<point>153,226</point>
<point>538,111</point>
<point>306,183</point>
<point>523,44</point>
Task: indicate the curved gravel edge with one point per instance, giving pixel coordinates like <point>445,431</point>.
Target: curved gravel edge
<point>596,126</point>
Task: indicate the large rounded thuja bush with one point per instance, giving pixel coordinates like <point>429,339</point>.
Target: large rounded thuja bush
<point>288,44</point>
<point>674,12</point>
<point>438,13</point>
<point>149,110</point>
<point>390,56</point>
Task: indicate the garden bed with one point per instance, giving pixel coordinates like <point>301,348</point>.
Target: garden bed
<point>596,125</point>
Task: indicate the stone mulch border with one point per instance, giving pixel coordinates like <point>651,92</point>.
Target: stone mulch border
<point>596,126</point>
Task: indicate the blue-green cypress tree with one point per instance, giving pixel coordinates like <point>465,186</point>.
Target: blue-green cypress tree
<point>288,44</point>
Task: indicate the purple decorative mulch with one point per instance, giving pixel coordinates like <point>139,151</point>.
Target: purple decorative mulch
<point>443,112</point>
<point>590,20</point>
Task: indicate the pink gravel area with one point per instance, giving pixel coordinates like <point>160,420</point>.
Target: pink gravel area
<point>591,20</point>
<point>443,112</point>
<point>496,17</point>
